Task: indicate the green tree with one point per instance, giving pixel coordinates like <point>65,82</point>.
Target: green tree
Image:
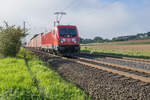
<point>10,40</point>
<point>98,39</point>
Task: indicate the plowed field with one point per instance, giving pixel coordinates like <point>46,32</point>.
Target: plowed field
<point>145,47</point>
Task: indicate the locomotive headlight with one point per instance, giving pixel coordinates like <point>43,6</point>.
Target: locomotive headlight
<point>62,40</point>
<point>74,40</point>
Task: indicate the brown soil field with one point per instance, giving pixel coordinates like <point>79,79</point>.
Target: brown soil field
<point>147,40</point>
<point>120,47</point>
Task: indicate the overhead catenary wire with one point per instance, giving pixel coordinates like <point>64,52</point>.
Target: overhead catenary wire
<point>58,17</point>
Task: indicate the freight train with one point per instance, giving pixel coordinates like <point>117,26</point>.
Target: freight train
<point>63,39</point>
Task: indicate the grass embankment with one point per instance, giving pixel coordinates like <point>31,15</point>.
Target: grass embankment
<point>40,83</point>
<point>127,53</point>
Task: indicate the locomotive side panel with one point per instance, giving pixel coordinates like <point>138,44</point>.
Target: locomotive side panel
<point>45,40</point>
<point>50,41</point>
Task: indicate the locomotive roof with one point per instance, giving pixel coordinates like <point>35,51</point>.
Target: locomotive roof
<point>65,26</point>
<point>36,35</point>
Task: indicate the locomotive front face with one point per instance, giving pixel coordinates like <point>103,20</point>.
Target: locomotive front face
<point>68,40</point>
<point>68,36</point>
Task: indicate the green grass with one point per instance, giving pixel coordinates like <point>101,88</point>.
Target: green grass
<point>16,83</point>
<point>127,53</point>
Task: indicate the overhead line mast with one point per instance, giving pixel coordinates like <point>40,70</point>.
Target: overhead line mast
<point>58,17</point>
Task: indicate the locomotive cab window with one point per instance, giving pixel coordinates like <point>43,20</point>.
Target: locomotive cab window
<point>67,32</point>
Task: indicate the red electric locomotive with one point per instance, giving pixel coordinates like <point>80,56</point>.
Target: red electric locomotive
<point>63,39</point>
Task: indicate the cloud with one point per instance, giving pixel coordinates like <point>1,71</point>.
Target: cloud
<point>106,20</point>
<point>93,17</point>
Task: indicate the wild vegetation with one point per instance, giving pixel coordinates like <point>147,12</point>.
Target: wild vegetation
<point>10,40</point>
<point>35,82</point>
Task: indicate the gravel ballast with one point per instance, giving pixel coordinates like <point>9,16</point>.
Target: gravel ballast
<point>100,84</point>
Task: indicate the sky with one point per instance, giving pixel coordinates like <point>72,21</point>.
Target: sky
<point>104,18</point>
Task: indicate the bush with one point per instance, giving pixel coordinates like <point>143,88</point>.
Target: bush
<point>10,40</point>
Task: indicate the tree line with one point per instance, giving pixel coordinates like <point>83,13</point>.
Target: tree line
<point>95,40</point>
<point>139,36</point>
<point>98,39</point>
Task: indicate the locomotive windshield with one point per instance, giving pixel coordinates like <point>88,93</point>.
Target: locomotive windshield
<point>67,32</point>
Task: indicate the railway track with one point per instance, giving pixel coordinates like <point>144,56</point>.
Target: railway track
<point>101,79</point>
<point>126,71</point>
<point>118,57</point>
<point>137,74</point>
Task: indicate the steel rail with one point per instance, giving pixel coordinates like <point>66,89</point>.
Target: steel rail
<point>117,66</point>
<point>122,73</point>
<point>126,74</point>
<point>144,79</point>
<point>122,58</point>
<point>131,59</point>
